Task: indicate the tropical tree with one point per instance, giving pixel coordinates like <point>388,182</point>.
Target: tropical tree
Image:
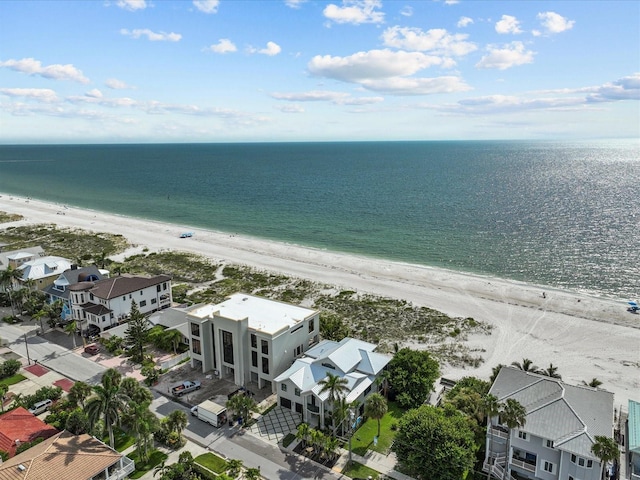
<point>375,406</point>
<point>4,388</point>
<point>332,327</point>
<point>79,392</point>
<point>145,424</point>
<point>606,449</point>
<point>38,317</point>
<point>302,433</point>
<point>594,383</point>
<point>435,444</point>
<point>513,415</point>
<point>70,329</point>
<point>336,387</point>
<point>8,278</point>
<point>137,333</point>
<point>382,382</point>
<point>108,403</point>
<point>77,422</point>
<point>136,392</point>
<point>54,312</point>
<point>412,374</point>
<point>174,338</point>
<point>526,366</point>
<point>551,371</point>
<point>252,473</point>
<point>234,467</point>
<point>490,407</point>
<point>242,405</point>
<point>177,421</point>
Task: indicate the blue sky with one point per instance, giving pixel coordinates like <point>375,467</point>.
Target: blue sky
<point>119,71</point>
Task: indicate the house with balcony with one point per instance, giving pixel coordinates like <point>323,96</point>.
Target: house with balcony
<point>632,433</point>
<point>562,422</point>
<point>59,289</point>
<point>105,303</point>
<point>15,258</point>
<point>299,387</point>
<point>249,339</point>
<point>68,456</point>
<point>41,272</point>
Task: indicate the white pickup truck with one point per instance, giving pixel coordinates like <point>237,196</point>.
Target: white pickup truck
<point>185,387</point>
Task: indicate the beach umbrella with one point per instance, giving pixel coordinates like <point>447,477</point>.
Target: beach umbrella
<point>633,304</point>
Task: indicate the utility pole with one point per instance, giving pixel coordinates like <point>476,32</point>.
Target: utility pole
<point>26,344</point>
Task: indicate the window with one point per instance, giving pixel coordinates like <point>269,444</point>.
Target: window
<point>571,478</point>
<point>227,347</point>
<point>164,286</point>
<point>573,458</point>
<point>143,303</point>
<point>548,467</point>
<point>195,329</point>
<point>581,461</point>
<point>283,387</point>
<point>254,341</point>
<point>522,435</point>
<point>124,297</point>
<point>91,296</point>
<point>589,463</point>
<point>254,359</point>
<point>265,347</point>
<point>328,365</point>
<point>367,390</point>
<point>153,301</point>
<point>296,329</point>
<point>311,325</point>
<point>195,346</point>
<point>549,443</point>
<point>296,392</point>
<point>157,288</point>
<point>265,365</point>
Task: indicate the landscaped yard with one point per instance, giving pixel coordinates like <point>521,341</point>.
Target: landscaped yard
<point>122,440</point>
<point>17,378</point>
<point>155,459</point>
<point>357,470</point>
<point>363,437</point>
<point>212,461</point>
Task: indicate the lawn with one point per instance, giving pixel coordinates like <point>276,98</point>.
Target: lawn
<point>17,378</point>
<point>357,470</point>
<point>155,459</point>
<point>122,440</point>
<point>212,462</point>
<point>363,437</point>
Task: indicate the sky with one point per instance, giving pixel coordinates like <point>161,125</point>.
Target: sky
<point>138,71</point>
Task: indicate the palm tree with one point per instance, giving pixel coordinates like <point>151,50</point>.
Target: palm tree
<point>495,371</point>
<point>340,413</point>
<point>242,405</point>
<point>490,407</point>
<point>70,329</point>
<point>108,403</point>
<point>174,338</point>
<point>551,371</point>
<point>38,316</point>
<point>382,381</point>
<point>594,383</point>
<point>375,406</point>
<point>336,387</point>
<point>526,366</point>
<point>606,449</point>
<point>79,392</point>
<point>145,424</point>
<point>234,467</point>
<point>4,388</point>
<point>514,415</point>
<point>302,433</point>
<point>252,474</point>
<point>8,278</point>
<point>177,421</point>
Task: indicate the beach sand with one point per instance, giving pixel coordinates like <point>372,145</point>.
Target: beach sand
<point>584,336</point>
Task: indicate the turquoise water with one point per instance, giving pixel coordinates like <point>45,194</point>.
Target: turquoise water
<point>556,214</point>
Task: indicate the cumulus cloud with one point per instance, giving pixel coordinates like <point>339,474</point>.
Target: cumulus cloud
<point>207,6</point>
<point>271,49</point>
<point>224,45</point>
<point>507,56</point>
<point>555,23</point>
<point>355,12</point>
<point>132,5</point>
<point>95,93</point>
<point>116,84</point>
<point>508,24</point>
<point>45,95</point>
<point>151,35</point>
<point>464,22</point>
<point>31,66</point>
<point>626,88</point>
<point>436,40</point>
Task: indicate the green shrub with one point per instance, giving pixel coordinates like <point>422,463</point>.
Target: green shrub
<point>9,368</point>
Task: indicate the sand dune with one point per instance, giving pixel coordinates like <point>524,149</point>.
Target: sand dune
<point>584,336</point>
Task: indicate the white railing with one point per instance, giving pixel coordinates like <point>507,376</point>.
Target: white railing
<point>128,466</point>
<point>497,432</point>
<point>525,466</point>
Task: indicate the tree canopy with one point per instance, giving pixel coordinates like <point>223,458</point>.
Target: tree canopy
<point>412,374</point>
<point>434,444</point>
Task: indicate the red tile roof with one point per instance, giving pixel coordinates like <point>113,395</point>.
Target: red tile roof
<point>22,426</point>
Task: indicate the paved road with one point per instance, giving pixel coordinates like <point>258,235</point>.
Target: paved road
<point>53,356</point>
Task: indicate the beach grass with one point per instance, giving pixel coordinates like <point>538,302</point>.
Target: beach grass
<point>9,217</point>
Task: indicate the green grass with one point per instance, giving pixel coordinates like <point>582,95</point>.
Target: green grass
<point>17,378</point>
<point>357,470</point>
<point>155,459</point>
<point>363,437</point>
<point>212,461</point>
<point>121,438</point>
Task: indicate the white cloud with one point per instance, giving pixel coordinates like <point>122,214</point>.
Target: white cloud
<point>132,5</point>
<point>294,3</point>
<point>207,6</point>
<point>554,23</point>
<point>95,93</point>
<point>31,66</point>
<point>508,56</point>
<point>626,88</point>
<point>224,45</point>
<point>289,108</point>
<point>271,49</point>
<point>508,24</point>
<point>45,95</point>
<point>451,2</point>
<point>151,36</point>
<point>406,11</point>
<point>116,84</point>
<point>464,22</point>
<point>436,40</point>
<point>355,12</point>
<point>338,98</point>
<point>417,86</point>
<point>95,97</point>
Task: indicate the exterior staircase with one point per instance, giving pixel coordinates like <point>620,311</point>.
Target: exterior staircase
<point>496,465</point>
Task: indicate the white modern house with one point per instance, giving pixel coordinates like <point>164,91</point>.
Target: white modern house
<point>632,431</point>
<point>357,361</point>
<point>59,289</point>
<point>250,339</point>
<point>562,422</point>
<point>106,303</point>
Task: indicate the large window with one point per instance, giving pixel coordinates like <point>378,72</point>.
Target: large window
<point>195,329</point>
<point>254,341</point>
<point>195,346</point>
<point>548,467</point>
<point>227,347</point>
<point>311,325</point>
<point>265,347</point>
<point>254,359</point>
<point>265,365</point>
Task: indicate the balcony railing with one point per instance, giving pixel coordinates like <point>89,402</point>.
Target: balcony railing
<point>523,465</point>
<point>313,408</point>
<point>128,466</point>
<point>498,432</point>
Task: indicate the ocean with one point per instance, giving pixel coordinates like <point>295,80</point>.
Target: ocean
<point>562,215</point>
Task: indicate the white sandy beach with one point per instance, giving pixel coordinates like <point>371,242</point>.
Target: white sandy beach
<point>583,336</point>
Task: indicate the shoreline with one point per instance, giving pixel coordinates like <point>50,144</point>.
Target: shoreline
<point>585,336</point>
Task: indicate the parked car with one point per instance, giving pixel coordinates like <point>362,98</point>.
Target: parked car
<point>91,349</point>
<point>41,407</point>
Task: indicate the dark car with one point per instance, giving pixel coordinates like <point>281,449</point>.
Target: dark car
<point>91,349</point>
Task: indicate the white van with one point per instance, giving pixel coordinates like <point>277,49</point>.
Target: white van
<point>40,407</point>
